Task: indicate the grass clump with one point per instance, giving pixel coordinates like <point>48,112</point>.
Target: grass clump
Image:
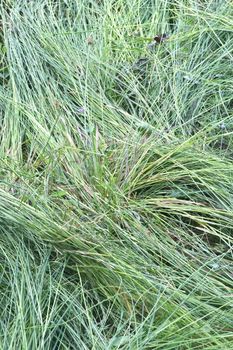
<point>116,175</point>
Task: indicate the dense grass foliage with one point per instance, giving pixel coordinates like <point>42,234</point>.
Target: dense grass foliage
<point>116,175</point>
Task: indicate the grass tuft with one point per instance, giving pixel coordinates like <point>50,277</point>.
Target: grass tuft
<point>116,194</point>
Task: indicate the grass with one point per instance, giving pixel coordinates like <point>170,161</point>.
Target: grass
<point>116,195</point>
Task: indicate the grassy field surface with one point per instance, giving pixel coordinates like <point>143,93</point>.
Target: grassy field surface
<point>116,175</point>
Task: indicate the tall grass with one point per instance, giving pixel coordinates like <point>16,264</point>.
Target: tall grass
<point>116,175</point>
